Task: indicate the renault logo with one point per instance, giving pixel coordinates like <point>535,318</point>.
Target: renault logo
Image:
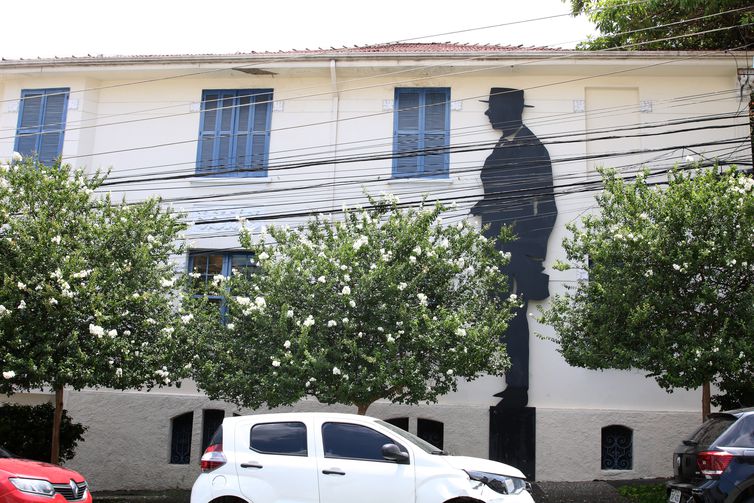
<point>74,489</point>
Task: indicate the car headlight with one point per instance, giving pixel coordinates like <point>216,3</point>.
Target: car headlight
<point>499,483</point>
<point>33,486</point>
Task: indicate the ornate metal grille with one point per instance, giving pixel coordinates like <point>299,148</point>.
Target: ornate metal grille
<point>617,448</point>
<point>180,439</point>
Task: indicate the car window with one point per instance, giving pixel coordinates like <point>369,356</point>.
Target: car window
<point>354,441</point>
<point>286,438</point>
<point>5,454</point>
<point>711,429</point>
<point>741,434</point>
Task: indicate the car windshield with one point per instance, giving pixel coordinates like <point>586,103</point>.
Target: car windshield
<point>422,444</point>
<point>5,454</point>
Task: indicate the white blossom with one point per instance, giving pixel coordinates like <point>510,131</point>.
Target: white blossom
<point>422,299</point>
<point>167,283</point>
<point>186,318</point>
<point>390,338</point>
<point>676,267</point>
<point>53,301</point>
<point>331,323</point>
<point>346,277</point>
<point>22,304</point>
<point>417,250</point>
<point>352,303</point>
<point>112,333</point>
<point>402,286</point>
<point>96,330</point>
<point>218,278</point>
<point>450,372</point>
<point>335,371</point>
<point>243,301</point>
<point>21,286</point>
<point>321,279</point>
<point>346,290</point>
<point>9,374</point>
<point>309,321</point>
<point>287,344</point>
<point>230,326</point>
<point>461,332</point>
<point>56,240</point>
<point>513,297</point>
<point>16,157</point>
<point>119,372</point>
<point>264,256</point>
<point>289,313</point>
<point>127,333</point>
<point>260,302</point>
<point>361,241</point>
<point>275,363</point>
<point>412,259</point>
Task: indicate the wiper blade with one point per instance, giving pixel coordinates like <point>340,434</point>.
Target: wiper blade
<point>440,452</point>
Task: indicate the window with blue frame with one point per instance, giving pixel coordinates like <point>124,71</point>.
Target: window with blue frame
<point>41,123</point>
<point>234,132</point>
<point>205,265</point>
<point>421,132</point>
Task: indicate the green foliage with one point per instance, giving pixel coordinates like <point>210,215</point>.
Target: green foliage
<point>386,303</point>
<point>25,431</point>
<point>85,287</point>
<point>671,280</point>
<point>646,23</point>
<point>644,493</point>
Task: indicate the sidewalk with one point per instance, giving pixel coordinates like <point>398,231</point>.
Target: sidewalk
<point>543,492</point>
<point>596,491</point>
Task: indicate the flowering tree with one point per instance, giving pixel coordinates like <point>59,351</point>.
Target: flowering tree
<point>85,292</point>
<point>386,303</point>
<point>670,288</point>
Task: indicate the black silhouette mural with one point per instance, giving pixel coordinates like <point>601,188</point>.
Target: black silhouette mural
<point>518,192</point>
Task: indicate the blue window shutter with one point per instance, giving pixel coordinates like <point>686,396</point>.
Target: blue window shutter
<point>421,133</point>
<point>41,123</point>
<point>234,132</point>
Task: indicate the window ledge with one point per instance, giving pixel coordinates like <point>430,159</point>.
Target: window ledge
<point>232,180</point>
<point>420,180</point>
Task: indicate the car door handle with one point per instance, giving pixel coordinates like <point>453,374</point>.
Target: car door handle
<point>333,472</point>
<point>251,465</point>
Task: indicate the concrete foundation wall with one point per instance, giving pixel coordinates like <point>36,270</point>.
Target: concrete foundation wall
<point>133,430</point>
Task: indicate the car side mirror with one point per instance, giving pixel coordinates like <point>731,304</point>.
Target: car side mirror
<point>392,452</point>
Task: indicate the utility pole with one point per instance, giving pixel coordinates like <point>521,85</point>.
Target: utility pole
<point>746,81</point>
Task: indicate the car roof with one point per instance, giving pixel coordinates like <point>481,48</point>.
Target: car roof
<point>298,416</point>
<point>739,412</point>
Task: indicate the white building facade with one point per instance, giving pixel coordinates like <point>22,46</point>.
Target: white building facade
<point>311,131</point>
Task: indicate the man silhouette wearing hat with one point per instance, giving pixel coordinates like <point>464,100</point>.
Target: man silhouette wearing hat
<point>518,192</point>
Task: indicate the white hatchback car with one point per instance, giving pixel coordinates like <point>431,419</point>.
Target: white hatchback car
<point>342,458</point>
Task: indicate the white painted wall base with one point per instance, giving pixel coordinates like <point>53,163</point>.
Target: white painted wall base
<point>133,429</point>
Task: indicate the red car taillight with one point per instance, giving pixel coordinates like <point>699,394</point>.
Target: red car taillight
<point>213,458</point>
<point>713,463</point>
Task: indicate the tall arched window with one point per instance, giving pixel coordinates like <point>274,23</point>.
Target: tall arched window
<point>180,438</point>
<point>617,448</point>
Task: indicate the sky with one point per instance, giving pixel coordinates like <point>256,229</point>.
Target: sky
<point>150,27</point>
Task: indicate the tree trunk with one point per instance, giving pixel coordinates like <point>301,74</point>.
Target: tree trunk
<point>362,408</point>
<point>705,401</point>
<point>55,452</point>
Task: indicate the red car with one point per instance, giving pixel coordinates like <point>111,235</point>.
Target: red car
<point>27,481</point>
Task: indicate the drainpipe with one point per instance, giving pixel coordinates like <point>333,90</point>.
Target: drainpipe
<point>746,83</point>
<point>335,117</point>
